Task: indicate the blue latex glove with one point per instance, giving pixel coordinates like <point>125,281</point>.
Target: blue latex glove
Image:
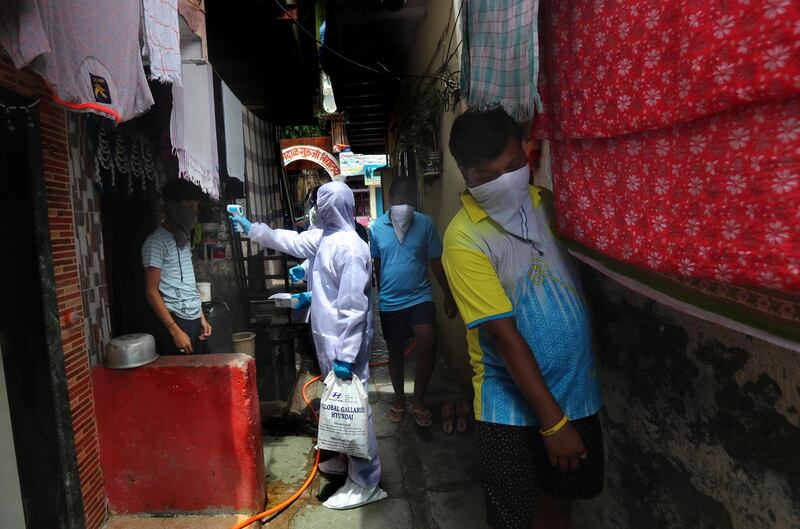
<point>343,370</point>
<point>301,300</point>
<point>296,273</point>
<point>243,222</point>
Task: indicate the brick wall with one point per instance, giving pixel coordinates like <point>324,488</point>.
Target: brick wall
<point>65,269</point>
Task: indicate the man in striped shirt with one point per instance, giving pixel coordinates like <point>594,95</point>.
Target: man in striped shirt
<point>170,285</point>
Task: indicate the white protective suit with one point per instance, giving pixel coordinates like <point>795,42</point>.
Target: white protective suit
<point>341,303</point>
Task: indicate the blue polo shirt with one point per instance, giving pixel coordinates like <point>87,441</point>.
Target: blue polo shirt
<point>404,267</point>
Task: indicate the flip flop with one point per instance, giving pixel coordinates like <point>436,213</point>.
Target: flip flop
<point>396,414</point>
<point>423,418</point>
<point>448,413</point>
<point>462,416</point>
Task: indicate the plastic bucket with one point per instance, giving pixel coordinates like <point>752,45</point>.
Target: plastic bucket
<point>244,343</point>
<point>218,251</point>
<point>205,292</point>
<point>276,369</point>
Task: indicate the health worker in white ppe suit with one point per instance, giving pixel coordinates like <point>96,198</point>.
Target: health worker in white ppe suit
<point>341,317</point>
<point>301,302</point>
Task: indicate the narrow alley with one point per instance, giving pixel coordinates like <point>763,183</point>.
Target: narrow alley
<point>406,264</point>
<point>431,477</point>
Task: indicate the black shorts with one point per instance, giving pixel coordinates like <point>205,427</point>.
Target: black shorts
<point>166,344</point>
<point>397,325</point>
<point>514,466</point>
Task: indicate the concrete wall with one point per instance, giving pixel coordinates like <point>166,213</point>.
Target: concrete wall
<point>11,510</point>
<point>701,423</point>
<point>182,434</point>
<point>440,199</point>
<point>63,242</point>
<point>222,276</point>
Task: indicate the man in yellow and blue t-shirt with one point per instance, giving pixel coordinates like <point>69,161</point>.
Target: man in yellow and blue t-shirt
<point>528,330</point>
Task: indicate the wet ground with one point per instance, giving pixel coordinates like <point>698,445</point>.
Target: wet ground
<point>431,477</point>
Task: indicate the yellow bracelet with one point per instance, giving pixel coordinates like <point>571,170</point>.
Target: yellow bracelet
<point>560,424</point>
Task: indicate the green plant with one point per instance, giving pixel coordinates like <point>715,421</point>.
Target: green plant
<point>419,112</point>
<point>301,131</point>
<point>304,131</point>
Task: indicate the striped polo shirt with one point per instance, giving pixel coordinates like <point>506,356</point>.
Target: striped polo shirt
<point>177,286</point>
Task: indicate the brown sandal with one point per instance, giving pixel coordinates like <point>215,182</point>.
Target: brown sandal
<point>462,417</point>
<point>423,418</point>
<point>448,415</point>
<point>396,415</point>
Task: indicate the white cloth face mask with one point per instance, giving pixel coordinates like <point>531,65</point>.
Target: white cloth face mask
<point>401,217</point>
<point>507,201</point>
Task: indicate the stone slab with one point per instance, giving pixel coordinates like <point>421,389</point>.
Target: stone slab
<point>287,458</point>
<point>459,508</point>
<point>392,513</point>
<point>178,522</point>
<point>391,467</point>
<point>448,460</point>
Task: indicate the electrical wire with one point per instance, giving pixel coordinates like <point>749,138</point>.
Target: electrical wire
<point>278,508</point>
<point>453,34</point>
<point>356,63</point>
<point>455,50</point>
<point>283,505</point>
<point>12,108</point>
<point>348,59</point>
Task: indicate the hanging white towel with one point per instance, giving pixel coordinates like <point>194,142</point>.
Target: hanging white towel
<point>234,133</point>
<point>193,128</point>
<point>162,40</point>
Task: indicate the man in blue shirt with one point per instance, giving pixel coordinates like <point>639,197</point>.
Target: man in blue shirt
<point>403,243</point>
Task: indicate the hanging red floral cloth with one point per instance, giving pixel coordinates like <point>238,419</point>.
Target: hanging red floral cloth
<point>717,198</point>
<point>612,67</point>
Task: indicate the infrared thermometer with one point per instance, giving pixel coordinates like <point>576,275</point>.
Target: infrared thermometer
<point>237,211</point>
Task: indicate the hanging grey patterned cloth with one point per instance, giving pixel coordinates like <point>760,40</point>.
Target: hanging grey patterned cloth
<point>262,169</point>
<point>500,56</point>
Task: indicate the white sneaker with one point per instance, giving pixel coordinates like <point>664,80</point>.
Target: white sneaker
<point>353,495</point>
<point>335,466</point>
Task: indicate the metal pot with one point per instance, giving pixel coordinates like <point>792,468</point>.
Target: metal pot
<point>130,350</point>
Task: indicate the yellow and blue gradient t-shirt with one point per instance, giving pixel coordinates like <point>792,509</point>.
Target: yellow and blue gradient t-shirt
<point>494,274</point>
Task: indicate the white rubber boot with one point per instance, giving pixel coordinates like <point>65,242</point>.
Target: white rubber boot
<point>353,495</point>
<point>335,466</point>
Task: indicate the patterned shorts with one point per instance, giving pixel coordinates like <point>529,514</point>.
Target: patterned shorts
<point>514,465</point>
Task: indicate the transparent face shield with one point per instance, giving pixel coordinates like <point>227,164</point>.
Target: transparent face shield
<point>311,210</point>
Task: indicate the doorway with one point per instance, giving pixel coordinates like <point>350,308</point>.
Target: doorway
<point>30,336</point>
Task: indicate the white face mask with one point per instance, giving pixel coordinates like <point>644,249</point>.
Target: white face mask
<point>401,216</point>
<point>507,201</point>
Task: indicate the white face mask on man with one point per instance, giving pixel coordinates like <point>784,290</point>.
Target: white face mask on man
<point>507,201</point>
<point>401,216</point>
